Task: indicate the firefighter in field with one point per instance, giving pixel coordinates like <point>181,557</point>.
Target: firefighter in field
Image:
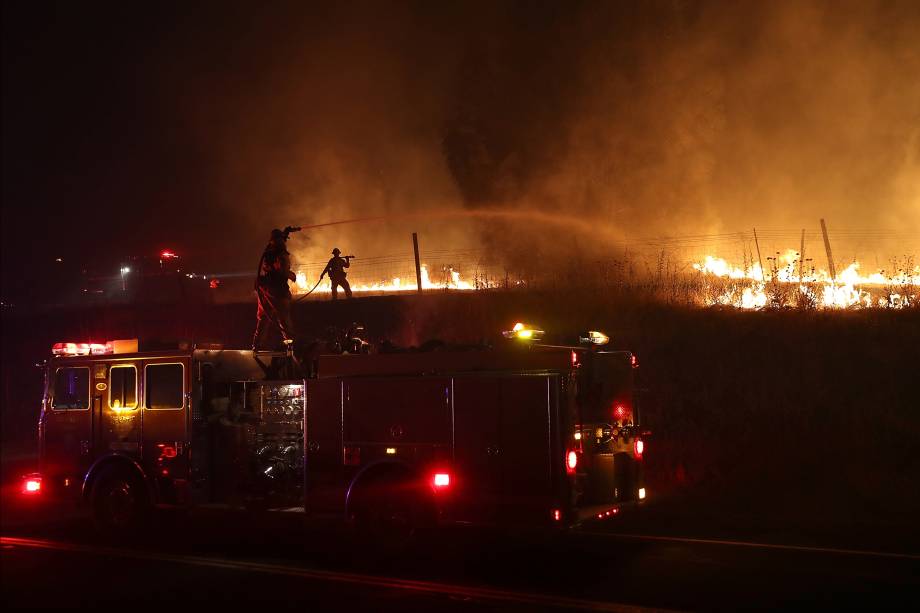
<point>272,289</point>
<point>336,269</point>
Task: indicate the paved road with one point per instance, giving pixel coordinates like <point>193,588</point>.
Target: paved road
<point>225,559</point>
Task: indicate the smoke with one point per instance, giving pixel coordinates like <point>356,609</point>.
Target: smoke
<point>636,119</point>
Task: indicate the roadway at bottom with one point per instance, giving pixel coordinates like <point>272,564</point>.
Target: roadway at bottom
<point>227,560</point>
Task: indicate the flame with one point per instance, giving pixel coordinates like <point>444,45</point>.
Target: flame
<point>396,284</point>
<point>849,289</point>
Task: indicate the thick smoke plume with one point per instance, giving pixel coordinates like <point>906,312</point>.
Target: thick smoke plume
<point>637,118</point>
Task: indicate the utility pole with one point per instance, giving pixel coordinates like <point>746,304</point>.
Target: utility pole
<point>418,267</point>
<point>827,247</point>
<point>802,256</point>
<point>757,244</point>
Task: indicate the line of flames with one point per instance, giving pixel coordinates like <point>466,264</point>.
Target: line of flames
<point>396,284</point>
<point>849,289</point>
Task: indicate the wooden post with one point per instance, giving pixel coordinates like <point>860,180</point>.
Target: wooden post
<point>802,256</point>
<point>757,244</point>
<point>418,266</point>
<point>827,247</point>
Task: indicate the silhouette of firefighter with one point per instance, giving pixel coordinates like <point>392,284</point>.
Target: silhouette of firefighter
<point>336,269</point>
<point>274,295</point>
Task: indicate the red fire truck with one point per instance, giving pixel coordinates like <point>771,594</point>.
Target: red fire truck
<point>526,433</point>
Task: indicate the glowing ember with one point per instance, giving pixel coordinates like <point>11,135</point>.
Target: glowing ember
<point>750,288</point>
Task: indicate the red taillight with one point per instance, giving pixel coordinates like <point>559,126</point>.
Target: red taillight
<point>638,448</point>
<point>557,515</point>
<point>574,358</point>
<point>441,480</point>
<point>571,462</point>
<point>32,485</point>
<point>634,361</point>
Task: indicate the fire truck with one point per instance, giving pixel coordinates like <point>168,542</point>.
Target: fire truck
<point>525,433</point>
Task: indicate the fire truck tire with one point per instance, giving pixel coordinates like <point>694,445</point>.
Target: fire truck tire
<point>120,502</point>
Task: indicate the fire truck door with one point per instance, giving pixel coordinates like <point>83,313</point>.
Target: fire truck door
<point>67,425</point>
<point>477,449</point>
<point>325,485</point>
<point>166,385</point>
<point>115,407</point>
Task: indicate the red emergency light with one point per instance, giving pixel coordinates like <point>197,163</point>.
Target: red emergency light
<point>106,348</point>
<point>68,349</point>
<point>32,485</point>
<point>168,254</point>
<point>638,448</point>
<point>441,480</point>
<point>571,462</point>
<point>621,413</point>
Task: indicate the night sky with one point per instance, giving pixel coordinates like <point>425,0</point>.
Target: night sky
<point>130,128</point>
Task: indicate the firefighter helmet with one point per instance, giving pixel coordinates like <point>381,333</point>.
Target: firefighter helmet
<point>336,251</point>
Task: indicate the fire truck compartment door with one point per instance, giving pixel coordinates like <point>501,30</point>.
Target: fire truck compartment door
<point>503,445</point>
<point>324,474</point>
<point>165,399</point>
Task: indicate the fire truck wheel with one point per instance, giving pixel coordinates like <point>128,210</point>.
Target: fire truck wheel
<point>120,503</point>
<point>393,516</point>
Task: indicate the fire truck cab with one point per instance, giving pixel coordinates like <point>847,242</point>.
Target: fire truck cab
<point>524,434</point>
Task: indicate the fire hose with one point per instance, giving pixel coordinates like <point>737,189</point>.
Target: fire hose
<point>299,298</point>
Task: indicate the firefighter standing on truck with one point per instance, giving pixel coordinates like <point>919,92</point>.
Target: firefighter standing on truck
<point>274,295</point>
<point>336,269</point>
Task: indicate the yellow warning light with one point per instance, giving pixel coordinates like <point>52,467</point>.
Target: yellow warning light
<point>523,332</point>
<point>391,450</point>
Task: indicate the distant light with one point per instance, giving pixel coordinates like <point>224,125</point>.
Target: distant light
<point>168,254</point>
<point>641,493</point>
<point>391,450</point>
<point>58,259</point>
<point>578,436</point>
<point>557,514</point>
<point>125,270</point>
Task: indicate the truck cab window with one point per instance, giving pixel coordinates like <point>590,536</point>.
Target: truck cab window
<point>123,387</point>
<point>164,386</point>
<point>71,389</point>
